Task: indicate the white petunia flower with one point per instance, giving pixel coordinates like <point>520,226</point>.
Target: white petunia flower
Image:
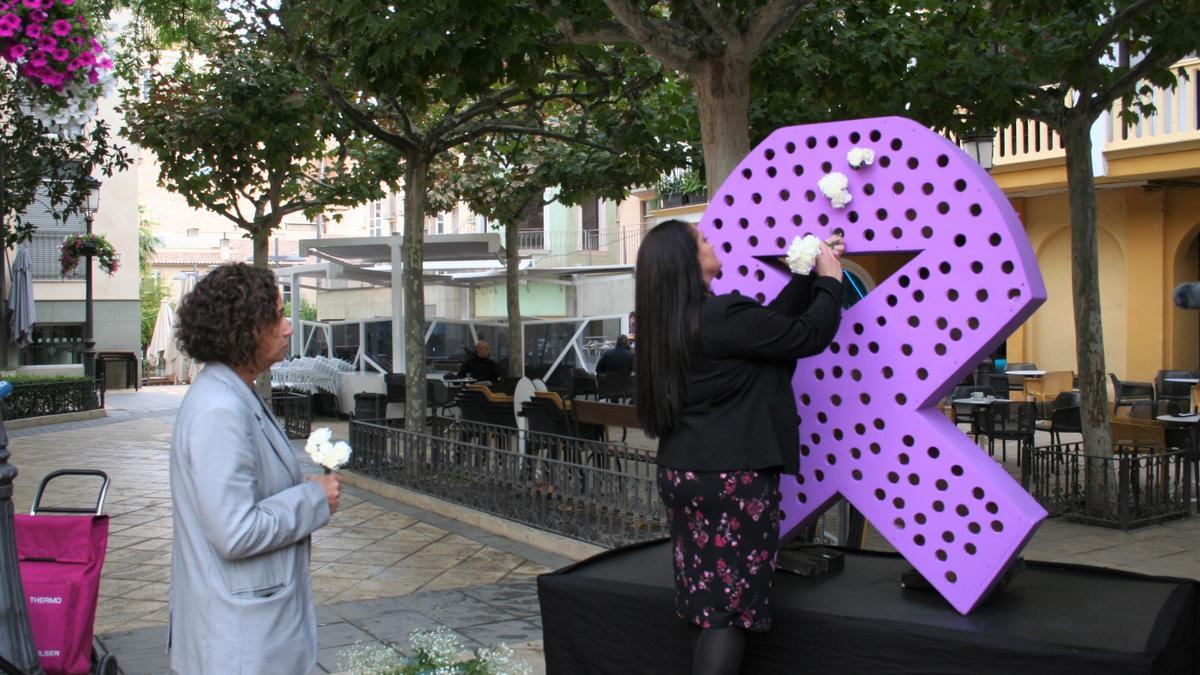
<point>840,199</point>
<point>860,157</point>
<point>802,254</point>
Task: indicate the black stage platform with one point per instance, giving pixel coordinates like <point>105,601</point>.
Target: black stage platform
<point>614,613</point>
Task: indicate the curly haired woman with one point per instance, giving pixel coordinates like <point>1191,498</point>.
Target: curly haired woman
<point>241,596</point>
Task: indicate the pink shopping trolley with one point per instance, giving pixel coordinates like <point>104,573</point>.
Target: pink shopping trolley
<point>60,558</point>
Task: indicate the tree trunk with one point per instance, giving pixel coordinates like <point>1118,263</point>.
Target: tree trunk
<point>512,285</point>
<point>1085,287</point>
<point>260,233</point>
<point>722,86</point>
<point>416,174</point>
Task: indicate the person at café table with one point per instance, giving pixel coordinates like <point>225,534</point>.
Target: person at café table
<point>618,360</point>
<point>480,367</point>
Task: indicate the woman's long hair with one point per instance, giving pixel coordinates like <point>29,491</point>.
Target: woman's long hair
<point>670,290</point>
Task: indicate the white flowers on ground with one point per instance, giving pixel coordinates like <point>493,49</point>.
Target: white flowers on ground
<point>324,452</point>
<point>860,157</point>
<point>802,254</point>
<point>834,186</point>
<point>434,652</point>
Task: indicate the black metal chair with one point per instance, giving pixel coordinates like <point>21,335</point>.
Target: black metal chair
<point>438,397</point>
<point>1064,420</point>
<point>615,387</point>
<point>999,385</point>
<point>583,385</point>
<point>1173,391</point>
<point>1126,392</point>
<point>1013,421</point>
<point>965,412</point>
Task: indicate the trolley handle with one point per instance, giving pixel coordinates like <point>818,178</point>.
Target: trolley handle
<point>98,510</point>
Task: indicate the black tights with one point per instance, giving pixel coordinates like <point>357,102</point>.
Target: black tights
<point>717,651</point>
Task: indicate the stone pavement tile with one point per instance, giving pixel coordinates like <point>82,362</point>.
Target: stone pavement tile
<point>141,652</point>
<point>469,612</point>
<point>372,557</point>
<point>343,543</point>
<point>528,570</point>
<point>340,634</point>
<point>338,659</point>
<point>150,591</point>
<point>402,547</point>
<point>396,626</point>
<point>458,578</point>
<point>347,570</point>
<point>532,652</point>
<point>519,599</point>
<point>137,572</point>
<point>152,545</point>
<point>113,587</point>
<point>508,632</point>
<point>113,613</point>
<point>326,554</point>
<point>367,589</point>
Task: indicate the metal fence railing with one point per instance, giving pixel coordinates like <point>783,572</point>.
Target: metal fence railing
<point>1134,487</point>
<point>294,409</point>
<point>52,398</point>
<point>596,491</point>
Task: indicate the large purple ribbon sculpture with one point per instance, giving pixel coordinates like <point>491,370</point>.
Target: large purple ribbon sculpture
<point>869,427</point>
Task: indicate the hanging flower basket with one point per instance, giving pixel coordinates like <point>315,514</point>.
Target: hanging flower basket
<point>76,246</point>
<point>57,46</point>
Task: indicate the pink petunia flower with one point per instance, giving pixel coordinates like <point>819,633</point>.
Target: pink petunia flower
<point>60,54</point>
<point>105,63</point>
<point>4,6</point>
<point>46,43</point>
<point>32,4</point>
<point>17,52</point>
<point>38,16</point>
<point>11,20</point>
<point>33,31</point>
<point>61,27</point>
<point>37,59</point>
<point>93,77</point>
<point>6,31</point>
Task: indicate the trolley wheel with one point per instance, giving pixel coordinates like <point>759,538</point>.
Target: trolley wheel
<point>107,665</point>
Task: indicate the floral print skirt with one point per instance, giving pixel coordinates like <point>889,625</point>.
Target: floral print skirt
<point>725,537</point>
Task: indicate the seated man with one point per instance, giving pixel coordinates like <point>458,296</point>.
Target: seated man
<point>480,367</point>
<point>618,360</point>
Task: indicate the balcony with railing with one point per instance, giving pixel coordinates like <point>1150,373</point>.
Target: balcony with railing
<point>1175,126</point>
<point>531,240</point>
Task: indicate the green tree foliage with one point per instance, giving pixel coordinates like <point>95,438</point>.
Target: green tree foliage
<point>429,78</point>
<point>308,311</point>
<point>242,134</point>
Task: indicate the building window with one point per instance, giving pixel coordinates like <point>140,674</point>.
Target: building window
<point>440,227</point>
<point>375,218</point>
<point>590,227</point>
<point>481,224</point>
<point>285,290</point>
<point>54,344</point>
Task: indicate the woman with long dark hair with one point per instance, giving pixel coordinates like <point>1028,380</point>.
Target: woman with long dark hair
<point>714,385</point>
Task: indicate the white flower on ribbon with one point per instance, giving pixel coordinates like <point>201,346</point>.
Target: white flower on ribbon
<point>802,254</point>
<point>834,186</point>
<point>860,157</point>
<point>326,453</point>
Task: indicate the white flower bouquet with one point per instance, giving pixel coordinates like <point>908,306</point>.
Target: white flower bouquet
<point>436,651</point>
<point>322,450</point>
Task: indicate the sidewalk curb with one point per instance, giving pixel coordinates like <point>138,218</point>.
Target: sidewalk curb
<point>547,541</point>
<point>46,420</point>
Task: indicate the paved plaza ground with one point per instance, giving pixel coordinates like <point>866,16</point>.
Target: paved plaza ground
<point>383,568</point>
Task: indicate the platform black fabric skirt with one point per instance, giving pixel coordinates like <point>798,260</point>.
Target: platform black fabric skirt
<point>725,536</point>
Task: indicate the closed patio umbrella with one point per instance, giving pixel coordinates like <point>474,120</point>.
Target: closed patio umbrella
<point>183,367</point>
<point>163,336</point>
<point>20,300</point>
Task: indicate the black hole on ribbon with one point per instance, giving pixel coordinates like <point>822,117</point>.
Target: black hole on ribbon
<point>957,470</point>
<point>943,208</point>
<point>948,536</point>
<point>952,295</point>
<point>756,198</point>
<point>718,223</point>
<point>852,350</point>
<point>919,539</point>
<point>922,374</point>
<point>780,242</point>
<point>770,221</point>
<point>837,371</point>
<point>927,232</point>
<point>875,135</point>
<point>729,200</point>
<point>855,137</point>
<point>832,141</point>
<point>897,144</point>
<point>885,161</point>
<point>869,235</point>
<point>942,161</point>
<point>874,448</point>
<point>969,548</point>
<point>771,171</point>
<point>865,398</point>
<point>856,474</point>
<point>881,320</point>
<point>976,210</point>
<point>978,493</point>
<point>810,196</point>
<point>974,527</point>
<point>897,233</point>
<point>1006,267</point>
<point>923,272</point>
<point>981,295</point>
<point>901,399</point>
<point>944,267</point>
<point>903,457</point>
<point>744,223</point>
<point>893,477</point>
<point>727,247</point>
<point>904,281</point>
<point>898,188</point>
<point>881,214</point>
<point>997,526</point>
<point>880,494</point>
<point>995,239</point>
<point>743,270</point>
<point>960,240</point>
<point>955,334</point>
<point>913,162</point>
<point>873,347</point>
<point>746,173</point>
<point>977,267</point>
<point>860,429</point>
<point>826,167</point>
<point>951,576</point>
<point>892,300</point>
<point>858,329</point>
<point>798,219</point>
<point>835,400</point>
<point>761,298</point>
<point>962,510</point>
<point>933,452</point>
<point>940,349</point>
<point>823,220</point>
<point>914,479</point>
<point>920,518</point>
<point>942,323</point>
<point>973,323</point>
<point>852,216</point>
<point>960,185</point>
<point>760,275</point>
<point>878,423</point>
<point>911,215</point>
<point>869,189</point>
<point>939,506</point>
<point>918,295</point>
<point>819,374</point>
<point>798,169</point>
<point>992,508</point>
<point>898,502</point>
<point>790,147</point>
<point>830,458</point>
<point>887,372</point>
<point>1014,293</point>
<point>899,523</point>
<point>927,188</point>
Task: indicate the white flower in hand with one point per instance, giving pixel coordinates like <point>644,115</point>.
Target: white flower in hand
<point>324,452</point>
<point>834,186</point>
<point>802,254</point>
<point>860,157</point>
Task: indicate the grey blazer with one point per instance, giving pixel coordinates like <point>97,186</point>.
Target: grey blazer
<point>241,596</point>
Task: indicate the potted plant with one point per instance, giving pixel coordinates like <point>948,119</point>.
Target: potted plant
<point>670,190</point>
<point>76,246</point>
<point>693,187</point>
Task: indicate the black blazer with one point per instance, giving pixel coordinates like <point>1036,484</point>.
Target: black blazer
<point>740,412</point>
<point>616,360</point>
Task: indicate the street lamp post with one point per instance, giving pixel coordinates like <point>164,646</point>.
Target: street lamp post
<point>16,637</point>
<point>978,144</point>
<point>90,206</point>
